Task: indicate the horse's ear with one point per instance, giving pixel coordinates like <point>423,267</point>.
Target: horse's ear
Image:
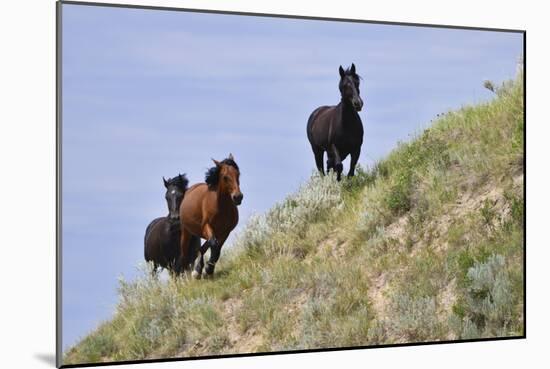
<point>165,182</point>
<point>342,73</point>
<point>231,157</point>
<point>218,164</point>
<point>352,69</point>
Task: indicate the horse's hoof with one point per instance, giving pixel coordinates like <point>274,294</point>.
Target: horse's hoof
<point>209,269</point>
<point>196,275</point>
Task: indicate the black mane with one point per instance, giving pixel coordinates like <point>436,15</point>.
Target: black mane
<point>180,181</point>
<point>212,175</point>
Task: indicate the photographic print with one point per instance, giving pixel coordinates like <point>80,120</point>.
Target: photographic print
<point>236,184</point>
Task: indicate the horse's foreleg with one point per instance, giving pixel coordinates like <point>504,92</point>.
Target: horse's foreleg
<point>215,251</point>
<point>338,166</point>
<point>199,263</point>
<point>208,233</point>
<point>330,163</point>
<point>353,162</point>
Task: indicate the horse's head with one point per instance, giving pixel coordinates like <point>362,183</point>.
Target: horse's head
<point>226,176</point>
<point>175,190</point>
<point>349,87</point>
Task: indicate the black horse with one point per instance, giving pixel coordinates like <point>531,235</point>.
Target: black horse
<point>162,236</point>
<point>338,129</point>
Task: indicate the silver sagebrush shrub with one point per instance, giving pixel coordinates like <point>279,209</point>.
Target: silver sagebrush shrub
<point>490,297</point>
<point>414,317</point>
<point>315,197</point>
<point>312,201</point>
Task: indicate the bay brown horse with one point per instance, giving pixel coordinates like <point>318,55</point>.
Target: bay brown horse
<point>338,129</point>
<point>162,236</point>
<point>209,210</point>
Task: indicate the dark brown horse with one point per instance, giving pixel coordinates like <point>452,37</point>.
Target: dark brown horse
<point>338,129</point>
<point>209,210</point>
<point>162,236</point>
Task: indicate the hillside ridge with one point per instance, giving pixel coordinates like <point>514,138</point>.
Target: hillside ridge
<point>427,245</point>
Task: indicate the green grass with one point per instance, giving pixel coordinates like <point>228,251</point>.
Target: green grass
<point>427,245</point>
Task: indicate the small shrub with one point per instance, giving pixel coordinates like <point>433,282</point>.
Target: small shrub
<point>469,330</point>
<point>398,199</point>
<point>95,347</point>
<point>456,233</point>
<point>488,214</point>
<point>414,317</point>
<point>487,309</point>
<point>516,204</point>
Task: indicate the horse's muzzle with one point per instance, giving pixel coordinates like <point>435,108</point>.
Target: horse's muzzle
<point>238,199</point>
<point>358,104</point>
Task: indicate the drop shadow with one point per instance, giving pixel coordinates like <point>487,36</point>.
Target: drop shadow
<point>46,358</point>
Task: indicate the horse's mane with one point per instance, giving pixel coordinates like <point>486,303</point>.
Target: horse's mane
<point>179,181</point>
<point>212,175</point>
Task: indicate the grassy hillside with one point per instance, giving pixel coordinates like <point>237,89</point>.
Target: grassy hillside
<point>425,246</point>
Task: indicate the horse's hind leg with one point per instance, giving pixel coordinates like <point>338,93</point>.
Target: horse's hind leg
<point>194,249</point>
<point>318,153</point>
<point>181,263</point>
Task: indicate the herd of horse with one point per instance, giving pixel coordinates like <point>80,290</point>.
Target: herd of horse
<point>209,210</point>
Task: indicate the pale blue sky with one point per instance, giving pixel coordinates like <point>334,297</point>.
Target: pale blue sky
<point>150,93</point>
